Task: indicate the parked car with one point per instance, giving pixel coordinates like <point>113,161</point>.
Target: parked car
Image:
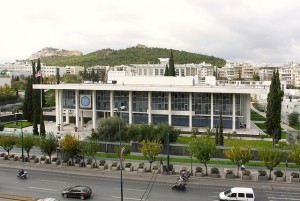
<point>81,192</point>
<point>48,199</point>
<point>237,193</point>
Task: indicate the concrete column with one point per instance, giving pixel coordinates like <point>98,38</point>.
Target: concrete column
<point>94,109</point>
<point>212,110</point>
<point>61,111</point>
<point>233,112</point>
<point>67,117</point>
<point>190,110</point>
<point>170,108</point>
<point>81,118</point>
<point>77,108</point>
<point>149,107</point>
<point>111,103</point>
<point>247,110</point>
<point>130,108</point>
<point>57,115</point>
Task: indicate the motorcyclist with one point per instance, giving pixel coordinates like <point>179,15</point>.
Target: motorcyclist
<point>21,172</point>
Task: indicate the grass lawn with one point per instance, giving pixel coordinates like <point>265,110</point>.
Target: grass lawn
<point>256,117</point>
<point>12,124</point>
<point>296,127</point>
<point>259,143</point>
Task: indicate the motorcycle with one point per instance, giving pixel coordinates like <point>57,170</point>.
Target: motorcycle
<point>22,175</point>
<point>179,186</point>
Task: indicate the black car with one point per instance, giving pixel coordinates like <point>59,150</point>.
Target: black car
<point>81,192</point>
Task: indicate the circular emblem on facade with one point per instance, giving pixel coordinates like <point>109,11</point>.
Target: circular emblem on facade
<point>85,101</point>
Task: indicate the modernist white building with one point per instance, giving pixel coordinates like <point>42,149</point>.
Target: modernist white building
<point>178,101</point>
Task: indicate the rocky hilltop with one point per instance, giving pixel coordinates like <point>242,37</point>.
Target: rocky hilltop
<point>49,51</point>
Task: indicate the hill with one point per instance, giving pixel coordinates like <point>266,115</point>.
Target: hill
<point>133,55</point>
<point>49,51</point>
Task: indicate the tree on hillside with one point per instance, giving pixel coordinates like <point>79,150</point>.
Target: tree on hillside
<point>150,149</point>
<point>271,158</point>
<point>171,65</point>
<point>239,156</point>
<point>273,113</point>
<point>202,148</point>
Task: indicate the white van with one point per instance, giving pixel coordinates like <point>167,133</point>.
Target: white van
<point>237,193</point>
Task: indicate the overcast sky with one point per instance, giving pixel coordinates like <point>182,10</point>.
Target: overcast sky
<point>257,31</point>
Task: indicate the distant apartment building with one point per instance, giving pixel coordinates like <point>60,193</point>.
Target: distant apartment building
<point>73,70</point>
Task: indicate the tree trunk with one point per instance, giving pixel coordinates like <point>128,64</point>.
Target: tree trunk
<point>205,169</point>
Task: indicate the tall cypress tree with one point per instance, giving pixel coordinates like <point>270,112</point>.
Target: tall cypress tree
<point>166,71</point>
<point>27,107</point>
<point>273,113</point>
<point>217,137</point>
<point>171,65</point>
<point>221,137</point>
<point>42,126</point>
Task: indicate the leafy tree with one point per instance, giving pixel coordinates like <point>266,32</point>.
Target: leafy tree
<point>8,142</point>
<point>294,154</point>
<point>163,130</point>
<point>273,113</point>
<point>271,158</point>
<point>126,150</point>
<point>195,132</point>
<point>92,148</point>
<point>150,149</point>
<point>239,156</point>
<point>71,78</point>
<point>171,65</point>
<point>203,149</point>
<point>209,132</point>
<point>71,146</point>
<point>48,146</point>
<point>28,142</point>
<point>293,118</point>
<point>108,129</point>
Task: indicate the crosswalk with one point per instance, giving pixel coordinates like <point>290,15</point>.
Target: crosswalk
<point>282,196</point>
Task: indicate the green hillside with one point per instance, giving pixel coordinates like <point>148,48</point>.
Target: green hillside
<point>132,55</point>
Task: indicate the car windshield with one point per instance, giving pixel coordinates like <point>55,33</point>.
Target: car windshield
<point>228,192</point>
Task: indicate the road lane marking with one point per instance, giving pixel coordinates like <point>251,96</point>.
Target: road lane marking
<point>128,198</point>
<point>47,189</point>
<point>54,181</point>
<point>131,189</point>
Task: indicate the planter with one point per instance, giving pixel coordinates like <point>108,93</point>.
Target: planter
<point>64,163</point>
<point>156,171</point>
<point>5,157</point>
<point>215,175</point>
<point>295,179</point>
<point>115,168</point>
<point>230,176</point>
<point>55,162</point>
<point>16,158</point>
<point>279,178</point>
<point>103,167</point>
<point>246,177</point>
<point>129,169</point>
<point>262,178</point>
<point>77,165</point>
<point>141,170</point>
<point>43,162</point>
<point>199,174</point>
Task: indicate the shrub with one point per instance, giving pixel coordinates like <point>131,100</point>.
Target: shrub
<point>32,157</point>
<point>155,167</point>
<point>170,167</point>
<point>2,125</point>
<point>102,162</point>
<point>295,175</point>
<point>2,154</point>
<point>246,172</point>
<point>141,165</point>
<point>77,160</point>
<point>89,161</point>
<point>114,164</point>
<point>54,159</point>
<point>128,165</point>
<point>214,170</point>
<point>262,173</point>
<point>43,158</point>
<point>278,173</point>
<point>66,160</point>
<point>229,172</point>
<point>199,169</point>
<point>12,156</point>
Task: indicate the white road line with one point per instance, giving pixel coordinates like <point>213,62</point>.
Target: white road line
<point>127,198</point>
<point>47,189</point>
<point>55,181</point>
<point>131,189</point>
<point>274,198</point>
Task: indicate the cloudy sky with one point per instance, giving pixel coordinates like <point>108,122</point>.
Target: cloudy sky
<point>257,31</point>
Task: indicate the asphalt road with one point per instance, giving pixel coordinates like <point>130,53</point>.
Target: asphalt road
<point>50,184</point>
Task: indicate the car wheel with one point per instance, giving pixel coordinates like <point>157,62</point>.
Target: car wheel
<point>82,197</point>
<point>65,195</point>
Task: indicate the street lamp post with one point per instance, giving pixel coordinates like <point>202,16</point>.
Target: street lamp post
<point>120,144</point>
